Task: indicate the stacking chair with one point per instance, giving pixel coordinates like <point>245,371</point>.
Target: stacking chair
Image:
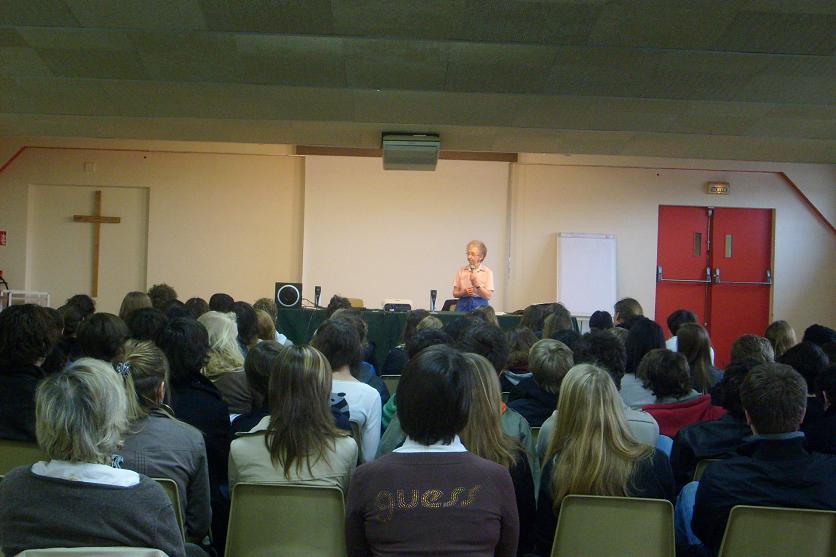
<point>391,382</point>
<point>18,453</point>
<point>93,552</point>
<point>276,520</point>
<point>170,488</point>
<point>701,466</point>
<point>614,527</point>
<point>778,532</point>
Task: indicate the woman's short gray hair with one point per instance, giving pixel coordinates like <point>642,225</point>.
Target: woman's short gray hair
<point>80,413</point>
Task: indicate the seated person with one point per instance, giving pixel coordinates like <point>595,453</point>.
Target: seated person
<point>810,361</point>
<point>132,302</point>
<point>225,367</point>
<point>821,433</point>
<point>402,504</point>
<point>298,442</point>
<point>162,295</point>
<point>102,335</point>
<point>695,345</point>
<point>247,323</point>
<point>773,469</point>
<point>144,323</point>
<point>340,342</point>
<point>158,445</point>
<point>72,316</point>
<point>625,311</point>
<point>600,321</point>
<point>557,319</point>
<point>781,336</point>
<point>221,302</point>
<point>604,350</point>
<point>677,404</point>
<point>752,346</point>
<point>483,436</point>
<point>535,397</point>
<point>714,438</point>
<point>533,317</point>
<point>818,334</point>
<point>676,320</point>
<point>520,341</point>
<point>363,370</point>
<point>26,337</point>
<point>197,306</point>
<point>644,335</point>
<point>592,452</point>
<point>81,418</point>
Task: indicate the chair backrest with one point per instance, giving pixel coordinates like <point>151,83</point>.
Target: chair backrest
<point>701,466</point>
<point>18,453</point>
<point>391,382</point>
<point>93,552</point>
<point>777,531</point>
<point>170,488</point>
<point>614,527</point>
<point>286,520</point>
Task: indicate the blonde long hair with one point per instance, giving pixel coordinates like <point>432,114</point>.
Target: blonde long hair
<point>781,336</point>
<point>597,452</point>
<point>483,435</point>
<point>301,429</point>
<point>224,353</point>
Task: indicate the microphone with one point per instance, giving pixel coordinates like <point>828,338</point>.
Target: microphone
<point>317,292</point>
<point>433,294</point>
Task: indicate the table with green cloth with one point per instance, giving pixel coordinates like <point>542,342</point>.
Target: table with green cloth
<point>385,327</point>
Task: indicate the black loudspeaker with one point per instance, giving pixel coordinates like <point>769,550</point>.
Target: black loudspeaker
<point>289,294</point>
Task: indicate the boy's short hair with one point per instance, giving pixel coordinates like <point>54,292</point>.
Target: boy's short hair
<point>433,395</point>
<point>605,350</point>
<point>549,361</point>
<point>144,323</point>
<point>425,338</point>
<point>627,308</point>
<point>665,373</point>
<point>340,342</point>
<point>752,346</point>
<point>26,335</point>
<point>101,336</point>
<point>728,389</point>
<point>161,295</point>
<point>775,397</point>
<point>809,360</point>
<point>221,302</point>
<point>601,320</point>
<point>488,341</point>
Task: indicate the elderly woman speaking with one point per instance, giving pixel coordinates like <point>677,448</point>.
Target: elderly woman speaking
<point>77,499</point>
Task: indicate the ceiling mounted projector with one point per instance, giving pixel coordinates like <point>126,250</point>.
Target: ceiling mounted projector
<point>410,151</point>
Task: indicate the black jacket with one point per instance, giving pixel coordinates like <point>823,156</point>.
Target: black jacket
<point>535,404</point>
<point>766,472</point>
<point>17,402</point>
<point>711,439</point>
<point>821,433</point>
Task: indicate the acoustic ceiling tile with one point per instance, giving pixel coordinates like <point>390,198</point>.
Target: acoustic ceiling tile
<point>98,63</point>
<point>148,14</point>
<point>782,33</point>
<point>75,39</point>
<point>303,61</point>
<point>401,19</point>
<point>49,13</point>
<point>22,62</point>
<point>498,68</point>
<point>268,16</point>
<point>381,64</point>
<point>192,56</point>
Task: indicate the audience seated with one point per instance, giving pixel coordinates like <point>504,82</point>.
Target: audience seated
<point>101,336</point>
<point>644,335</point>
<point>819,334</point>
<point>55,359</point>
<point>625,310</point>
<point>483,436</point>
<point>335,303</point>
<point>773,469</point>
<point>161,296</point>
<point>132,302</point>
<point>26,337</point>
<point>76,498</point>
<point>486,314</point>
<point>781,336</point>
<point>298,442</point>
<point>520,341</point>
<point>265,325</point>
<point>197,307</point>
<point>533,317</point>
<point>158,445</point>
<point>257,367</point>
<point>197,401</point>
<point>677,404</point>
<point>714,438</point>
<point>604,350</point>
<point>821,433</point>
<point>752,346</point>
<point>247,322</point>
<point>593,452</point>
<point>221,302</point>
<point>600,321</point>
<point>225,366</point>
<point>694,344</point>
<point>402,504</point>
<point>810,361</point>
<point>557,319</point>
<point>340,342</point>
<point>535,397</point>
<point>145,323</point>
<point>396,359</point>
<point>674,321</point>
<point>269,306</point>
<point>363,370</point>
<point>85,304</point>
<point>175,309</point>
<point>71,317</point>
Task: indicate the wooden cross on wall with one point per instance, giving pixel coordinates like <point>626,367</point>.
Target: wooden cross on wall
<point>97,220</point>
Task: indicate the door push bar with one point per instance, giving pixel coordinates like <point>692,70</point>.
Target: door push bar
<point>706,281</point>
<point>717,280</point>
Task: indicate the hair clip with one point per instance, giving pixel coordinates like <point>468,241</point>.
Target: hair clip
<point>122,368</point>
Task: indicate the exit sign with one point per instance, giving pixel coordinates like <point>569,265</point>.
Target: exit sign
<point>717,188</point>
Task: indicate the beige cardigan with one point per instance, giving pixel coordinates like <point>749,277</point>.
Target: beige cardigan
<point>249,461</point>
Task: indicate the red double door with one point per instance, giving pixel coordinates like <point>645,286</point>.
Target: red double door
<point>716,262</point>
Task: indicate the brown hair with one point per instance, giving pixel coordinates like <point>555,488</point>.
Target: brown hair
<point>775,397</point>
<point>781,336</point>
<point>693,342</point>
<point>665,373</point>
<point>752,346</point>
<point>549,361</point>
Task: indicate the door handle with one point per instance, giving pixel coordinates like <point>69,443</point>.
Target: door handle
<point>766,282</point>
<point>707,279</point>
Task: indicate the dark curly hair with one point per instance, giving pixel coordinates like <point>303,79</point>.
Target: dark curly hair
<point>665,373</point>
<point>488,341</point>
<point>186,345</point>
<point>605,350</point>
<point>27,334</point>
<point>161,294</point>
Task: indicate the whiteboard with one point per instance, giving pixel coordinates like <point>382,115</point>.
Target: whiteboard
<point>586,280</point>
